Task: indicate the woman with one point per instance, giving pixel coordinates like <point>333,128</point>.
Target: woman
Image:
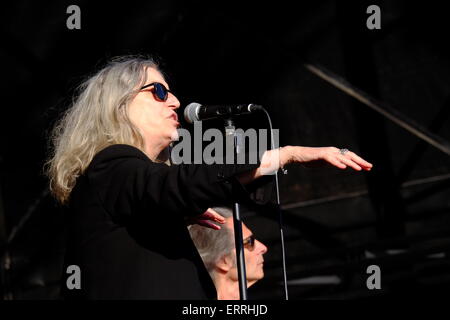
<point>127,209</point>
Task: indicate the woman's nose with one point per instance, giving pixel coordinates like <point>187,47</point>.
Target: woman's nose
<point>262,247</point>
<point>173,101</point>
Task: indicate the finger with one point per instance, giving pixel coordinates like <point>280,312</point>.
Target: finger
<point>359,160</point>
<point>350,163</point>
<point>214,216</point>
<point>335,162</point>
<point>208,224</point>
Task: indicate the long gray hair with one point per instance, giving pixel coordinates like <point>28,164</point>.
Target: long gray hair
<point>213,244</point>
<point>97,118</point>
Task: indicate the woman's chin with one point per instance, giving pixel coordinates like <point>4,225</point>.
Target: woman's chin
<point>175,135</point>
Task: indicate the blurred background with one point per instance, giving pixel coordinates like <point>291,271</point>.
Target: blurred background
<point>336,223</point>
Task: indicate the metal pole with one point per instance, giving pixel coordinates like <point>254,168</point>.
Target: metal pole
<point>230,133</point>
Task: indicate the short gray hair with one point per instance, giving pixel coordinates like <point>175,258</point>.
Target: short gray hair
<point>213,244</point>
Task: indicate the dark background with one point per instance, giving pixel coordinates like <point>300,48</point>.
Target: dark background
<point>337,223</point>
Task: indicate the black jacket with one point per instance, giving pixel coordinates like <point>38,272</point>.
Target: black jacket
<point>126,226</point>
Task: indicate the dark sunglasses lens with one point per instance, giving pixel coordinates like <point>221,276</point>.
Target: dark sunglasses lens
<point>252,241</point>
<point>160,91</point>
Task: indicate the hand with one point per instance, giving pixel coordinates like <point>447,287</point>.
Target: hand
<point>313,157</point>
<point>272,160</point>
<point>205,219</point>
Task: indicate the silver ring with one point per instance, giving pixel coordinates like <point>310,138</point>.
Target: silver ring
<point>343,151</point>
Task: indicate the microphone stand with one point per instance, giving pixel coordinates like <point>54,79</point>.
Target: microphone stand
<point>230,133</point>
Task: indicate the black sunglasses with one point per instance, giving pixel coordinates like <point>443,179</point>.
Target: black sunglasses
<point>160,92</point>
<point>249,242</point>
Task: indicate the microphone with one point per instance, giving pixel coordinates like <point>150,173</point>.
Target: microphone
<point>196,112</point>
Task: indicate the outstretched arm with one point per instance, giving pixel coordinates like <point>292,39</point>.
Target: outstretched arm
<point>272,160</point>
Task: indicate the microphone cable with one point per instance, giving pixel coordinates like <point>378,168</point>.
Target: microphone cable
<point>278,205</point>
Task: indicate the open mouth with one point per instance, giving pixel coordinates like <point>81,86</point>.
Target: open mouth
<point>175,118</point>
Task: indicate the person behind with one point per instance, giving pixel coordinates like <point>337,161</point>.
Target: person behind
<point>126,209</point>
<point>217,249</point>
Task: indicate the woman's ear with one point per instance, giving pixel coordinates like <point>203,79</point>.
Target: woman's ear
<point>225,263</point>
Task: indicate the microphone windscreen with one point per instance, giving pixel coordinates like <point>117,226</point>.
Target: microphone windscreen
<point>191,112</point>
